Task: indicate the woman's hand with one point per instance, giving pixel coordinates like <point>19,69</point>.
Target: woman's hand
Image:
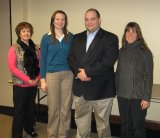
<point>43,85</point>
<point>32,82</point>
<point>145,104</point>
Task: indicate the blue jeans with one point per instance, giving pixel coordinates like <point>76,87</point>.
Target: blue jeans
<point>132,118</point>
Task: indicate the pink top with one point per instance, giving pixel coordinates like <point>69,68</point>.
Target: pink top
<point>18,73</point>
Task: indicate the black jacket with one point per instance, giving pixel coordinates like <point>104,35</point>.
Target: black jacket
<point>98,64</point>
<point>134,75</point>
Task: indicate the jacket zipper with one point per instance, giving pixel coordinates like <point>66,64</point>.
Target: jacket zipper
<point>134,70</point>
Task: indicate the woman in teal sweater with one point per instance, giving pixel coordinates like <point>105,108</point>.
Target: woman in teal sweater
<point>56,77</point>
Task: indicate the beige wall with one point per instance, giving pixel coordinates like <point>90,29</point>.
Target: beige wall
<point>5,89</point>
<point>115,15</point>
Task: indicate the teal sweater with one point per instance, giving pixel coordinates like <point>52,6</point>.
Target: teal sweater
<point>54,55</point>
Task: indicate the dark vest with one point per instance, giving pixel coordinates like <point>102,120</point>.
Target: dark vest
<point>20,64</point>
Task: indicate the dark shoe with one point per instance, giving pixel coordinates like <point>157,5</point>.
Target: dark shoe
<point>33,134</point>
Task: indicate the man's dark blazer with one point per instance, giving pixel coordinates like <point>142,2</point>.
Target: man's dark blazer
<point>98,63</point>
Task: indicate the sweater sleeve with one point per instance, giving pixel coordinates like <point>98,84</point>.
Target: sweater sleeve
<point>148,75</point>
<point>43,58</point>
<point>13,67</point>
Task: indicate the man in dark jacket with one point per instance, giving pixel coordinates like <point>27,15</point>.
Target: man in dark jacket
<point>91,59</point>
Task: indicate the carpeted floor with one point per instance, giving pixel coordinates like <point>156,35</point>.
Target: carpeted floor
<point>6,114</point>
<point>6,124</point>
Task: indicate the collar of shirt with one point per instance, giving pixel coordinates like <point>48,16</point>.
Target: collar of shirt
<point>49,33</point>
<point>93,33</point>
<point>90,37</point>
<point>59,38</point>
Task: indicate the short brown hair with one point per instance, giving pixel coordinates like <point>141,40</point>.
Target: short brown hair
<point>23,25</point>
<point>94,10</point>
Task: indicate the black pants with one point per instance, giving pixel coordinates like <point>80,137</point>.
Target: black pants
<point>132,118</point>
<point>24,110</point>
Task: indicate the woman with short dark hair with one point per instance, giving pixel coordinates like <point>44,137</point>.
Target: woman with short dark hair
<point>23,62</point>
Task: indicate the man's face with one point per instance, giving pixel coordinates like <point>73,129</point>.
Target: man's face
<point>92,22</point>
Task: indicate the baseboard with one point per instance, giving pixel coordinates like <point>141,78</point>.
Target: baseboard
<point>6,110</point>
<point>114,119</point>
<point>150,124</point>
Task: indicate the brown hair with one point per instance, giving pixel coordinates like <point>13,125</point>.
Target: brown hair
<point>21,26</point>
<point>52,25</point>
<point>136,27</point>
<point>94,10</point>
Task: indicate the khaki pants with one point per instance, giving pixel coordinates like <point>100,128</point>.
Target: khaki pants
<point>59,86</point>
<point>83,114</point>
